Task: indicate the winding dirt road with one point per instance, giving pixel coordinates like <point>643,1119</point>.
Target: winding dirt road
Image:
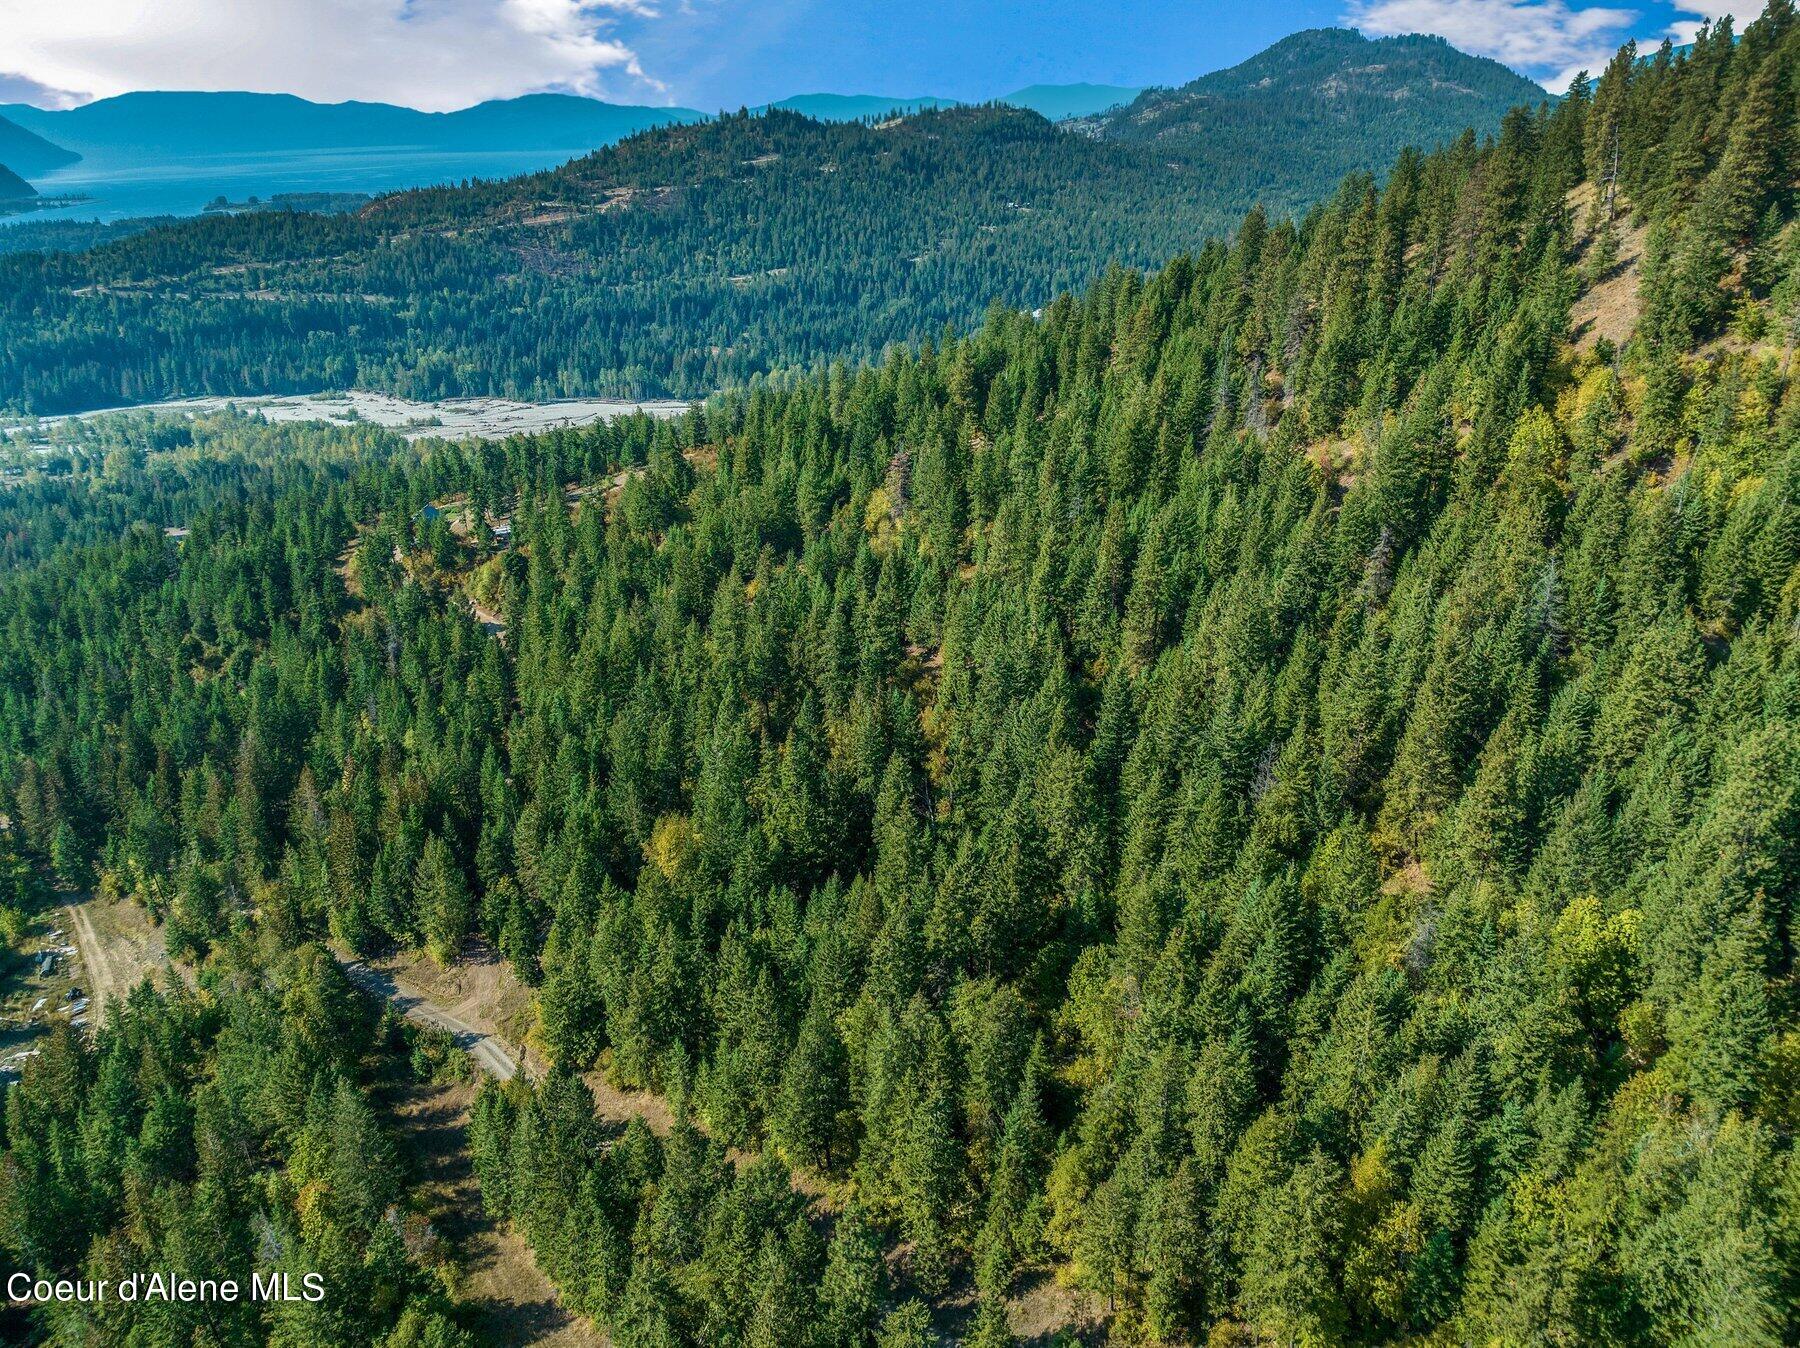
<point>490,1053</point>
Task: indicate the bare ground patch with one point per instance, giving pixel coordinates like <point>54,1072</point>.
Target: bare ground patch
<point>1610,306</point>
<point>513,1302</point>
<point>119,947</point>
<point>481,989</point>
<point>1044,1308</point>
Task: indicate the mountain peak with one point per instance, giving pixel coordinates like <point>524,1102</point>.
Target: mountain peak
<point>1411,89</point>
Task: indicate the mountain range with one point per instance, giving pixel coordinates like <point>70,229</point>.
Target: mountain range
<point>1327,90</point>
<point>192,124</point>
<point>695,256</point>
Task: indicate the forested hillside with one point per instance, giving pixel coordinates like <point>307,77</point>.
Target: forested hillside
<point>678,262</point>
<point>13,188</point>
<point>1341,96</point>
<point>1268,793</point>
<point>225,1134</point>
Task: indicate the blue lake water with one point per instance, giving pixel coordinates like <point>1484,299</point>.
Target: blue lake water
<point>122,189</point>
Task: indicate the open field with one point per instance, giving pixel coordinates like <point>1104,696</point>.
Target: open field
<point>119,947</point>
<point>98,949</point>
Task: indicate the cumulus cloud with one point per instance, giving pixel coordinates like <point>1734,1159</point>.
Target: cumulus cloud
<point>432,54</point>
<point>1545,38</point>
<point>1741,11</point>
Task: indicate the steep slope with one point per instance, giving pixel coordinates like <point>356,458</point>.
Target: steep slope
<point>1265,796</point>
<point>13,187</point>
<point>28,153</point>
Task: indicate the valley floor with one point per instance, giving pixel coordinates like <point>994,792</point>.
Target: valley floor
<point>446,418</point>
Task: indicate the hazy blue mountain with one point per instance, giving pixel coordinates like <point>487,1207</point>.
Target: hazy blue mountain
<point>13,187</point>
<point>1061,101</point>
<point>854,107</point>
<point>1055,101</point>
<point>28,153</point>
<point>181,125</point>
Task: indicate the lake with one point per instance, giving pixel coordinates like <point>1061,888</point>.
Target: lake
<point>121,190</point>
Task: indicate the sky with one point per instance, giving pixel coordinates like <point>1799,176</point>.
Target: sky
<point>721,54</point>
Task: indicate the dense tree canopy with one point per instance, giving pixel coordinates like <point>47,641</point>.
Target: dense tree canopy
<point>221,1134</point>
<point>1269,789</point>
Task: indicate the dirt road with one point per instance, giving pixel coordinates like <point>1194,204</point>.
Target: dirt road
<point>490,1053</point>
<point>119,948</point>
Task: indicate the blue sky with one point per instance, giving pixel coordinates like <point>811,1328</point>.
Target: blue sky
<point>722,54</point>
<point>712,54</point>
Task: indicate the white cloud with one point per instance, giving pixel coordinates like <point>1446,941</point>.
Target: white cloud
<point>1745,10</point>
<point>1683,31</point>
<point>433,54</point>
<point>1547,39</point>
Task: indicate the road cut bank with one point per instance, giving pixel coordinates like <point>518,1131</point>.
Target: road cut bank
<point>25,1290</point>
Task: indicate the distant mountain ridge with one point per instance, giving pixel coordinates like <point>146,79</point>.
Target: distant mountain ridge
<point>1061,101</point>
<point>855,107</point>
<point>1053,101</point>
<point>1332,87</point>
<point>179,124</point>
<point>1057,102</point>
<point>27,153</point>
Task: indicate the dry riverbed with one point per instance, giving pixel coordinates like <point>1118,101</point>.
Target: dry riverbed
<point>447,418</point>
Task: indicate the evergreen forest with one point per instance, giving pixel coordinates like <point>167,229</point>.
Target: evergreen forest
<point>1259,802</point>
